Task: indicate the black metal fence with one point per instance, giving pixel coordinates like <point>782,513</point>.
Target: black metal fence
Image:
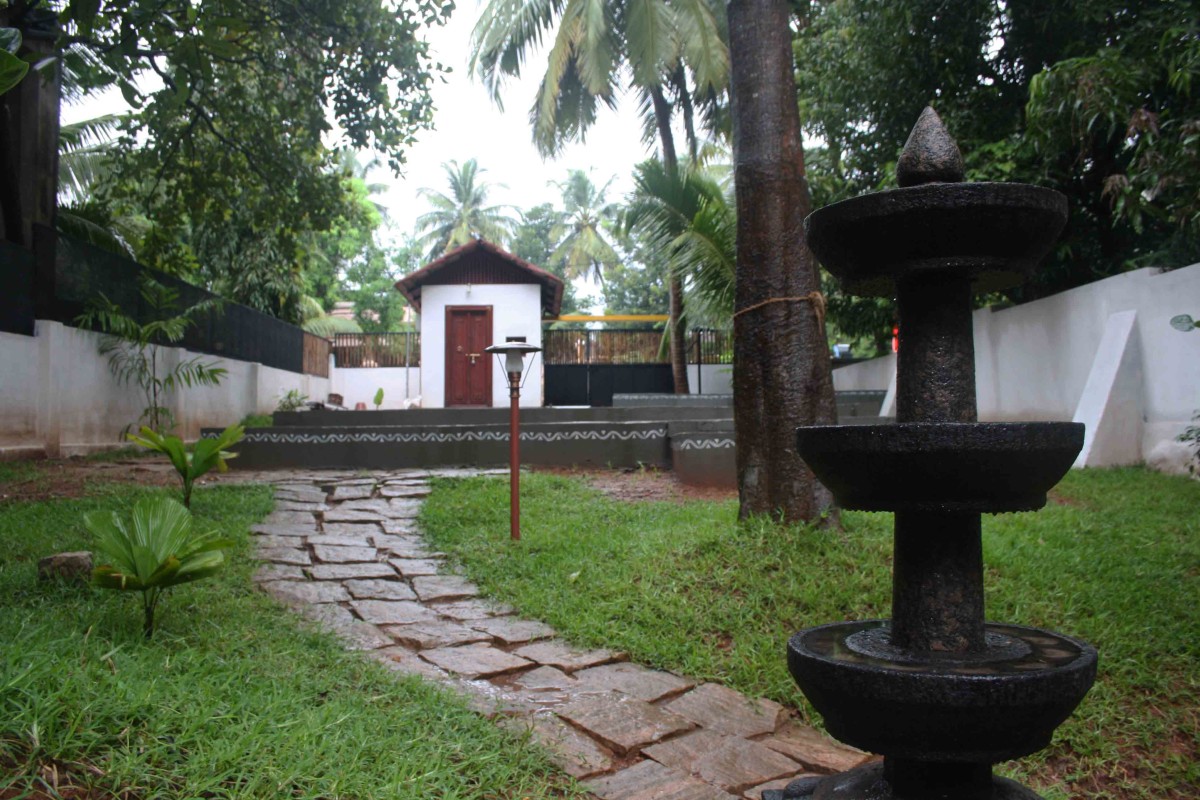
<point>377,349</point>
<point>16,289</point>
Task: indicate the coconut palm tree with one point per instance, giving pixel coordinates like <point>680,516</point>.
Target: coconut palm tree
<point>582,247</point>
<point>463,214</point>
<point>671,48</point>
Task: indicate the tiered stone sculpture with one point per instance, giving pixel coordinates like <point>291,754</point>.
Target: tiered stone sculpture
<point>939,692</point>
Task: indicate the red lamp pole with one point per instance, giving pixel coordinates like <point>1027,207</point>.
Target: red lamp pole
<point>514,454</point>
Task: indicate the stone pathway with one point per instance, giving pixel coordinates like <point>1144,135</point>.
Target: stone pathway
<point>343,549</point>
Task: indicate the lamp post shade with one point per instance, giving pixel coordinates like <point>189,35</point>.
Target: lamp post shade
<point>514,354</point>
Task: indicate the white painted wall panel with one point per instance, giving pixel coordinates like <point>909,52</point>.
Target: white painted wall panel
<point>516,311</point>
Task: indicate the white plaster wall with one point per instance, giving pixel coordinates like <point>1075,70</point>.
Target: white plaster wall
<point>19,389</point>
<point>359,384</point>
<point>710,378</point>
<point>58,393</point>
<point>516,311</point>
<point>1033,361</point>
<point>872,375</point>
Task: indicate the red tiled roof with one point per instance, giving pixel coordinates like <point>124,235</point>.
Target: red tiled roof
<point>482,262</point>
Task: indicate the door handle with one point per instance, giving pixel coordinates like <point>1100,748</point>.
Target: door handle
<point>473,356</point>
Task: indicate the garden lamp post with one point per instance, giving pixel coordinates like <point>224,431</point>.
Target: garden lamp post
<point>514,352</point>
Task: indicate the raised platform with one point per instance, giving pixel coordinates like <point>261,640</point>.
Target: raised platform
<point>693,437</point>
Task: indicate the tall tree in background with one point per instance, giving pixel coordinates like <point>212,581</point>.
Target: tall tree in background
<point>223,153</point>
<point>674,50</point>
<point>462,214</point>
<point>533,241</point>
<point>1094,98</point>
<point>781,369</point>
<point>582,248</point>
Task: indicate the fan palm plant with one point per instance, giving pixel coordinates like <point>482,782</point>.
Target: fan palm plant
<point>153,550</point>
<point>686,218</point>
<point>462,214</point>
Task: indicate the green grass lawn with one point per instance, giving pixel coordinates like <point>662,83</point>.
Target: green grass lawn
<point>1113,559</point>
<point>233,698</point>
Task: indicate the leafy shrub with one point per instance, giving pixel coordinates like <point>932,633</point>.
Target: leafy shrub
<point>195,461</point>
<point>134,348</point>
<point>154,550</point>
<point>257,421</point>
<point>292,401</point>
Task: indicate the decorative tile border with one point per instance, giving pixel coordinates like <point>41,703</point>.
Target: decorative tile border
<point>437,437</point>
<point>701,444</point>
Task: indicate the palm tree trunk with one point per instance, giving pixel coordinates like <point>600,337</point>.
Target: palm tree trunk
<point>781,370</point>
<point>678,347</point>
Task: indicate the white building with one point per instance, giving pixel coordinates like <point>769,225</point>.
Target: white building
<point>470,298</point>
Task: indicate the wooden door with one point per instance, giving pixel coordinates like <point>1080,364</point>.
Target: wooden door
<point>468,367</point>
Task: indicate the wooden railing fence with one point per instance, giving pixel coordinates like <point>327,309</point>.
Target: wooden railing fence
<point>316,355</point>
<point>705,346</point>
<point>377,350</point>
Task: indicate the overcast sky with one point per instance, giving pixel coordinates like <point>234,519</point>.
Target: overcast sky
<point>468,125</point>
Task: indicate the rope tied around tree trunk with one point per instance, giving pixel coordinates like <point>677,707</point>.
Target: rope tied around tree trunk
<point>816,298</point>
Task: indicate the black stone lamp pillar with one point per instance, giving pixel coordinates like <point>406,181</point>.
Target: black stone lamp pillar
<point>938,691</point>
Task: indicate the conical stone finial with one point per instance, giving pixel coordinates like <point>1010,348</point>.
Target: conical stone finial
<point>930,155</point>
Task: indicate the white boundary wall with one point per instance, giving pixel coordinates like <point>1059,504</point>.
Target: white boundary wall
<point>57,396</point>
<point>401,386</point>
<point>1102,354</point>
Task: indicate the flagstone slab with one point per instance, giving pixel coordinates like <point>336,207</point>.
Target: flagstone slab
<point>777,785</point>
<point>405,490</point>
<point>279,572</point>
<point>475,660</point>
<point>340,514</point>
<point>361,529</point>
<point>342,540</point>
<point>375,505</point>
<point>723,710</point>
<point>402,546</point>
<point>359,635</point>
<point>292,531</point>
<point>284,555</point>
<point>301,518</point>
<point>328,615</point>
<point>307,592</point>
<point>430,588</point>
<point>379,589</point>
<point>621,722</point>
<point>352,491</point>
<point>416,567</point>
<point>300,505</point>
<point>402,660</point>
<point>347,479</point>
<point>299,494</point>
<point>731,762</point>
<point>511,630</point>
<point>544,679</point>
<point>649,780</point>
<point>262,540</point>
<point>813,749</point>
<point>341,572</point>
<point>495,702</point>
<point>400,526</point>
<point>573,752</point>
<point>467,610</point>
<point>392,612</point>
<point>556,653</point>
<point>403,508</point>
<point>344,555</point>
<point>635,680</point>
<point>438,633</point>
